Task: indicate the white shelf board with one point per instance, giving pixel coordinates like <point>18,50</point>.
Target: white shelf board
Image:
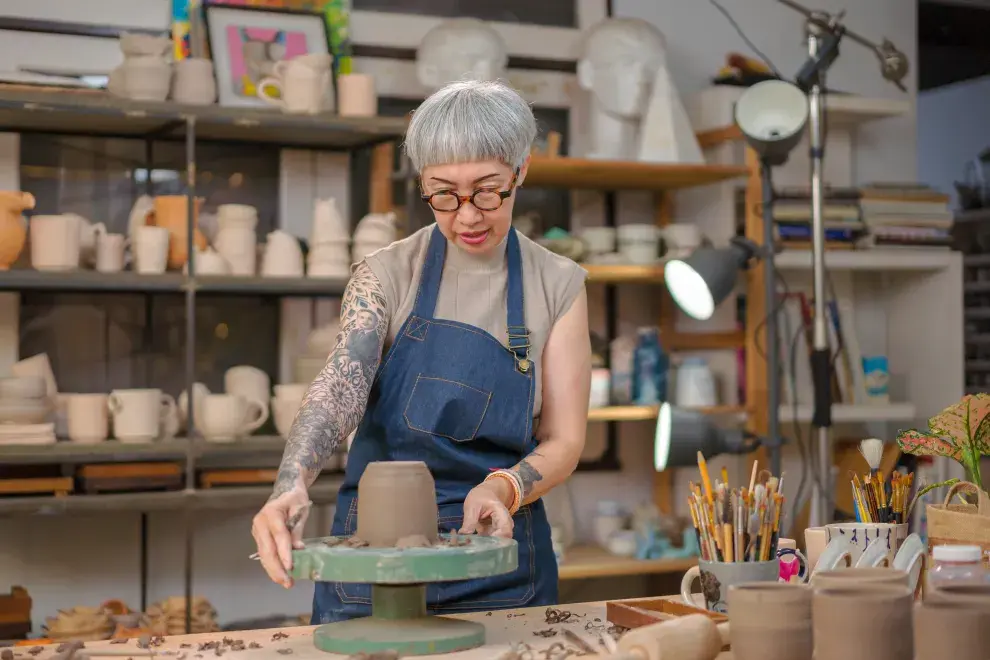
<point>712,108</point>
<point>870,260</point>
<point>845,413</point>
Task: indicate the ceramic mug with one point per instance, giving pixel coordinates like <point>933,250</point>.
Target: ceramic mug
<point>867,545</point>
<point>111,253</point>
<point>300,87</point>
<point>716,577</point>
<point>793,563</point>
<point>140,414</point>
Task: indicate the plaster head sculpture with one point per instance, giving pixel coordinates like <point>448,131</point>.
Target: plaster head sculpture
<point>619,64</point>
<point>470,143</point>
<point>459,49</point>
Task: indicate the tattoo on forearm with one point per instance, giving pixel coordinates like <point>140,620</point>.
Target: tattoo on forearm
<point>528,475</point>
<point>336,401</point>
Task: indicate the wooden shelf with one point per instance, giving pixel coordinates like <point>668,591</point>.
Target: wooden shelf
<point>619,273</point>
<point>624,175</point>
<point>848,413</point>
<point>584,562</point>
<point>649,413</point>
<point>880,260</point>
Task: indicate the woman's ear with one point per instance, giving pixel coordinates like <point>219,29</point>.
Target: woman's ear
<point>523,170</point>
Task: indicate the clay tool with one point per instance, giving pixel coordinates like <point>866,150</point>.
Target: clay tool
<point>706,480</point>
<point>291,523</point>
<point>576,640</point>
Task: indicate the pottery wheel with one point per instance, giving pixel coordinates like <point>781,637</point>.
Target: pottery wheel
<point>398,578</point>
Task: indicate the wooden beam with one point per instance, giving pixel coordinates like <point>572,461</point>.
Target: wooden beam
<point>756,312</point>
<point>717,136</point>
<point>380,189</point>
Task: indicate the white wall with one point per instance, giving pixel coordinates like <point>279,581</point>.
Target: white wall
<point>65,561</point>
<point>953,128</point>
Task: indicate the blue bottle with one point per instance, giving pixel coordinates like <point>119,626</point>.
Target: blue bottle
<point>650,366</point>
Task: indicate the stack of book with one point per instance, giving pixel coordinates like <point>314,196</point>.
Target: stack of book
<point>905,215</point>
<point>792,217</point>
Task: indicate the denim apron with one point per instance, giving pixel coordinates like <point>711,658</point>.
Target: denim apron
<point>450,395</point>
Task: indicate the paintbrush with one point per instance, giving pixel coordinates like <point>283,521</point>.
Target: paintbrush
<point>706,480</point>
<point>872,451</point>
<point>291,523</point>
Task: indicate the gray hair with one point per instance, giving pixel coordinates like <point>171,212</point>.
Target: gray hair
<point>469,121</point>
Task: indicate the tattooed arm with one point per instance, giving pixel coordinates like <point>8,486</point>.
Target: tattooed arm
<point>330,411</point>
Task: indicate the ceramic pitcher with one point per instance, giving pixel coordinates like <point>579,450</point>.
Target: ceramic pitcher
<point>12,230</point>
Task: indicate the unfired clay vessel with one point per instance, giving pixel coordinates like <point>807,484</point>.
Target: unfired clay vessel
<point>951,630</point>
<point>172,213</point>
<point>852,623</point>
<point>13,233</point>
<point>396,499</point>
<point>770,621</point>
<point>864,578</point>
<point>975,595</point>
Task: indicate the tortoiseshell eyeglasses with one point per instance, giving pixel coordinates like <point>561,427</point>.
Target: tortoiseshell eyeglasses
<point>483,200</point>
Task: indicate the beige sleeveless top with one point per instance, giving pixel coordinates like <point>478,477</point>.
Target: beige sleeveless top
<point>473,289</point>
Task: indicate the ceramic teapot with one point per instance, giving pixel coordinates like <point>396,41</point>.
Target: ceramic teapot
<point>13,233</point>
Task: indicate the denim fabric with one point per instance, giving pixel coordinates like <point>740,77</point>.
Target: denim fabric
<point>451,395</point>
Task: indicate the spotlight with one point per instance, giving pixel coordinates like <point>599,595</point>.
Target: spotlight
<point>772,116</point>
<point>699,283</point>
<point>681,434</point>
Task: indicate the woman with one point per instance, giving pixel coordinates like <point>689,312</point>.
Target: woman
<point>486,369</point>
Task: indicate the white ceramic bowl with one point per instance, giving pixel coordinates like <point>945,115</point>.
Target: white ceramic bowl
<point>23,387</point>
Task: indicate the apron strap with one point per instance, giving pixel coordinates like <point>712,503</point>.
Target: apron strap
<point>515,305</point>
<point>429,281</point>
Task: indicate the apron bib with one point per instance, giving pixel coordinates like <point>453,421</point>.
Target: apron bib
<point>451,395</point>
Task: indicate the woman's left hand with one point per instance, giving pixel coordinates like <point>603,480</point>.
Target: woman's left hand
<point>485,512</point>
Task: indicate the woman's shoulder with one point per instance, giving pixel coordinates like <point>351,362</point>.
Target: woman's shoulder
<point>397,264</point>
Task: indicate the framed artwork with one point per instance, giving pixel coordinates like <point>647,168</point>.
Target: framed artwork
<point>247,41</point>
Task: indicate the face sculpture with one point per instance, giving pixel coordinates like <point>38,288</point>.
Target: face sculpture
<point>462,48</point>
<point>619,64</point>
<point>471,229</point>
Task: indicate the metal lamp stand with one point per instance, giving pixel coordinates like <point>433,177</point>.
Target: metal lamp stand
<point>823,33</point>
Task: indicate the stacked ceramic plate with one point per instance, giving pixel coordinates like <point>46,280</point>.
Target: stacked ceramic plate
<point>86,624</point>
<point>169,616</point>
<point>25,410</point>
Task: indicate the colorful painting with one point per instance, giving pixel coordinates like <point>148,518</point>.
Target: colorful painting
<point>253,52</point>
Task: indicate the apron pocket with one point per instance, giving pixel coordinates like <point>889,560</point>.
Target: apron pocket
<point>446,408</point>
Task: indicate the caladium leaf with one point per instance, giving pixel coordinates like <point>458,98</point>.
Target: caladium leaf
<point>924,444</point>
<point>961,421</point>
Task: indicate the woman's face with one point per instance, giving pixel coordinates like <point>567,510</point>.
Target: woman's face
<point>472,229</point>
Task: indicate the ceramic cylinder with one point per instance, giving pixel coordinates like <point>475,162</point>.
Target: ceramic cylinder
<point>863,624</point>
<point>865,578</point>
<point>396,499</point>
<point>951,630</point>
<point>356,95</point>
<point>974,595</point>
<point>770,621</point>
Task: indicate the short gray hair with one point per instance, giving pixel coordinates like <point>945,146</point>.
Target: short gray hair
<point>469,121</point>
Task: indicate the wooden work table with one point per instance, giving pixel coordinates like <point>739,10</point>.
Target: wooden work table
<point>504,628</point>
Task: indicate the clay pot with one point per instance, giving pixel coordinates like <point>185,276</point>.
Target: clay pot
<point>172,213</point>
<point>852,623</point>
<point>396,499</point>
<point>770,621</point>
<point>973,595</point>
<point>951,630</point>
<point>865,578</point>
<point>13,233</point>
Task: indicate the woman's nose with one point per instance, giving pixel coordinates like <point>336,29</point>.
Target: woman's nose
<point>468,214</point>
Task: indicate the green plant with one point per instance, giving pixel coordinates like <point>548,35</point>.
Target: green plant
<point>960,432</point>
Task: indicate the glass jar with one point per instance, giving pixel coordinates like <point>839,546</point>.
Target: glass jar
<point>957,564</point>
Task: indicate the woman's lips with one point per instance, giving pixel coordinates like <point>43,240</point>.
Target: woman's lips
<point>474,238</point>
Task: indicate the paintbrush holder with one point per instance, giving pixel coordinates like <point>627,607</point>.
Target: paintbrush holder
<point>770,621</point>
<point>396,499</point>
<point>863,624</point>
<point>718,577</point>
<point>951,630</point>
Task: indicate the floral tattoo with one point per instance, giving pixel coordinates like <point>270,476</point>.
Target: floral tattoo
<point>528,475</point>
<point>336,401</point>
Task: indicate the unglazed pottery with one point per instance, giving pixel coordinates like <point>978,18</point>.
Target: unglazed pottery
<point>951,630</point>
<point>865,578</point>
<point>770,621</point>
<point>396,499</point>
<point>460,48</point>
<point>172,213</point>
<point>13,233</point>
<point>974,595</point>
<point>863,624</point>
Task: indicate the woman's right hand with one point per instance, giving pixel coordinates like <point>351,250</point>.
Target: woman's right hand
<point>271,533</point>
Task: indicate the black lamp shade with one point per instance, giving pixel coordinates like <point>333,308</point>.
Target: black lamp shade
<point>681,434</point>
<point>699,283</point>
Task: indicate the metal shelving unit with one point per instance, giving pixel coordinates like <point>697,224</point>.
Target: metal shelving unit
<point>97,114</point>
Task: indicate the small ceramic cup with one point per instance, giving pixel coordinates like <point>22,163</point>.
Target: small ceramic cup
<point>950,630</point>
<point>770,621</point>
<point>717,577</point>
<point>865,578</point>
<point>851,623</point>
